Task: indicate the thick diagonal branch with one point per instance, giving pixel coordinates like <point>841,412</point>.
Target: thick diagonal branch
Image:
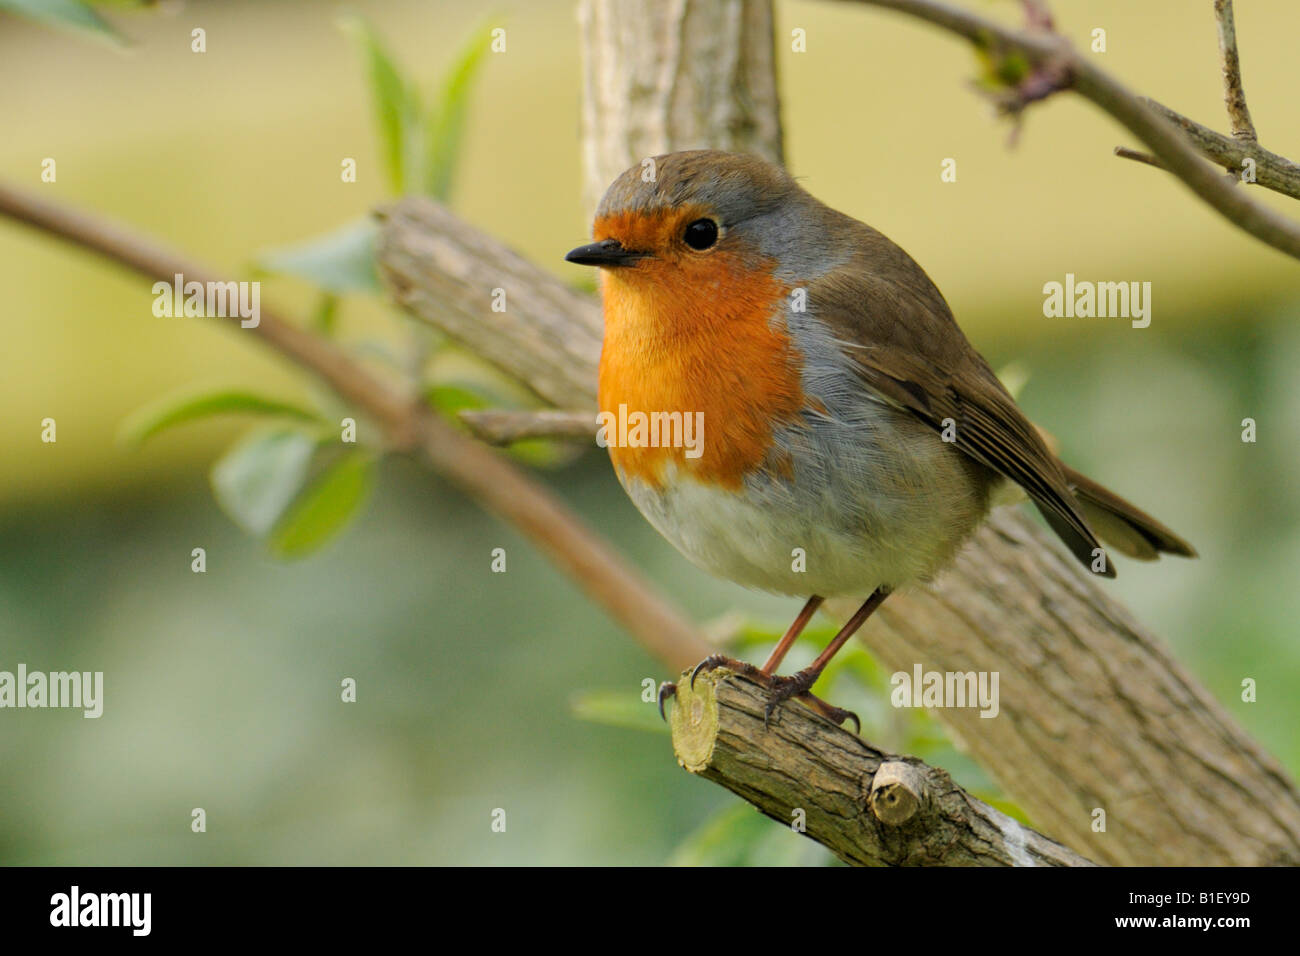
<point>1095,714</point>
<point>867,807</point>
<point>410,426</point>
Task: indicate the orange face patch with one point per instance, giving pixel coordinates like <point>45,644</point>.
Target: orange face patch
<point>693,332</point>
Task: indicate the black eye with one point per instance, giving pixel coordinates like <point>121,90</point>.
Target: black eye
<point>701,234</point>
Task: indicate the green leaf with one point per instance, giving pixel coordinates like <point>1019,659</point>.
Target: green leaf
<point>325,317</point>
<point>450,398</point>
<point>741,836</point>
<point>725,839</point>
<point>396,106</point>
<point>260,475</point>
<point>326,507</point>
<point>339,261</point>
<point>541,452</point>
<point>446,121</point>
<point>617,708</point>
<point>74,14</point>
<point>188,407</point>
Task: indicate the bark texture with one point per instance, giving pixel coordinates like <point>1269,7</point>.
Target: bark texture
<point>868,807</point>
<point>664,75</point>
<point>1094,712</point>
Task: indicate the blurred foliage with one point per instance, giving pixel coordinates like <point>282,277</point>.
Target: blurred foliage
<point>739,835</point>
<point>617,708</point>
<point>70,14</point>
<point>221,686</point>
<point>341,261</point>
<point>178,409</point>
<point>291,485</point>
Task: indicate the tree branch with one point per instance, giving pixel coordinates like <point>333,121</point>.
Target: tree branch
<point>1164,140</point>
<point>1234,97</point>
<point>1271,170</point>
<point>867,807</point>
<point>1095,713</point>
<point>409,425</point>
<point>1123,152</point>
<point>659,77</point>
<point>504,426</point>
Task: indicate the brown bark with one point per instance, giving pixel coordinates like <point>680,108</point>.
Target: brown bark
<point>1094,711</point>
<point>867,807</point>
<point>662,76</point>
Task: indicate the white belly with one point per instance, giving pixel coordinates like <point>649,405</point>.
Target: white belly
<point>875,498</point>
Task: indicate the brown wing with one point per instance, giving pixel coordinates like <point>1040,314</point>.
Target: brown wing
<point>893,322</point>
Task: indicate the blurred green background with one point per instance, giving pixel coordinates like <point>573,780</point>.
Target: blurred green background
<point>222,689</point>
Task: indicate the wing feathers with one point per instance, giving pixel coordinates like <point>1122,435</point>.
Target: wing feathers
<point>913,353</point>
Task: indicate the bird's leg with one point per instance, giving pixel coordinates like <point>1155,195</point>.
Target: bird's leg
<point>791,635</point>
<point>764,674</point>
<point>774,659</point>
<point>799,684</point>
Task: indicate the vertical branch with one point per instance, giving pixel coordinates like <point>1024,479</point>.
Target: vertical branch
<point>1234,97</point>
<point>1083,686</point>
<point>664,75</point>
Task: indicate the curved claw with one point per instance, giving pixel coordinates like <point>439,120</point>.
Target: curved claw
<point>838,715</point>
<point>708,664</point>
<point>668,689</point>
<point>767,712</point>
<point>857,724</point>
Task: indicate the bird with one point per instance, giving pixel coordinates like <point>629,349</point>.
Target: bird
<point>851,438</point>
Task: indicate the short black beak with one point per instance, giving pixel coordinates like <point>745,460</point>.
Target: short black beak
<point>608,252</point>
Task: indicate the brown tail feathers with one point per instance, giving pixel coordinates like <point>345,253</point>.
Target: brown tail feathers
<point>1123,526</point>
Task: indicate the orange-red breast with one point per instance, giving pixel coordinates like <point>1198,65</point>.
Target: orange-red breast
<point>844,413</point>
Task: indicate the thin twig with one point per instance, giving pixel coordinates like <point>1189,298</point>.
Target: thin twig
<point>411,426</point>
<point>504,426</point>
<point>1125,153</point>
<point>1271,171</point>
<point>1108,94</point>
<point>1234,97</point>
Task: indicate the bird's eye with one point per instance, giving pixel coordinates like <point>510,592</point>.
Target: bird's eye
<point>701,234</point>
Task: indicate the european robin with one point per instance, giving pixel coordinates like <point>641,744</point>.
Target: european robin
<point>844,413</point>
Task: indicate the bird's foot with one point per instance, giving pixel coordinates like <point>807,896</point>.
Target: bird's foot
<point>836,715</point>
<point>797,685</point>
<point>782,689</point>
<point>714,661</point>
<point>779,689</point>
<point>669,689</point>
